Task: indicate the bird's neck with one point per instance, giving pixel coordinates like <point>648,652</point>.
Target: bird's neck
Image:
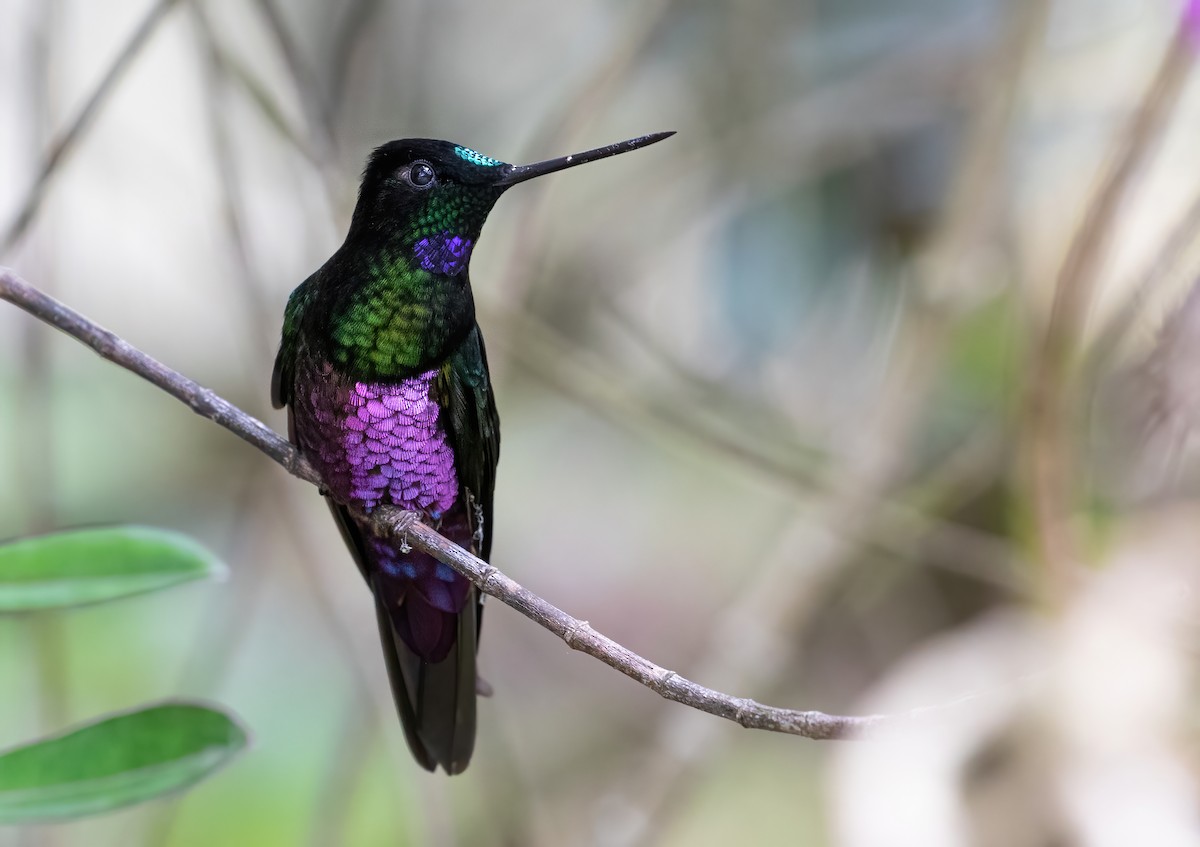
<point>401,307</point>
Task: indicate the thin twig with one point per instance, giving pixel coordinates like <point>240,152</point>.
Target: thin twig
<point>579,635</point>
<point>69,137</point>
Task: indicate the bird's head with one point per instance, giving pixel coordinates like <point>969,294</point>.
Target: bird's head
<point>435,195</point>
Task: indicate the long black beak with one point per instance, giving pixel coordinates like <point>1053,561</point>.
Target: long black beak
<point>519,173</point>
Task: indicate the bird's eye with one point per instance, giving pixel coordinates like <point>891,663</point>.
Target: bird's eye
<point>421,175</point>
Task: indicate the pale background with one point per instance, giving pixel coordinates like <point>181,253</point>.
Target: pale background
<point>752,428</point>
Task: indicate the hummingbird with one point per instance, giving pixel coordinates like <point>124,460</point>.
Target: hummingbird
<point>383,370</point>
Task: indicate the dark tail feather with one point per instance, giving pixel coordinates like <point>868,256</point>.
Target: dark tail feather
<point>435,700</point>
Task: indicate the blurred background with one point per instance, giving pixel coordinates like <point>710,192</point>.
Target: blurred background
<point>784,408</point>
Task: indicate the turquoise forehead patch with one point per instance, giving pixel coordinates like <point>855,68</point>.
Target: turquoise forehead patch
<point>476,158</point>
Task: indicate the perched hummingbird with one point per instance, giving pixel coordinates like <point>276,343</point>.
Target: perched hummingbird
<point>383,370</point>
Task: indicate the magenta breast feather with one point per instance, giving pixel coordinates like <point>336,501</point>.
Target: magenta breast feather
<point>389,445</point>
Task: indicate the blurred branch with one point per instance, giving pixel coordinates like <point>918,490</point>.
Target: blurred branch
<point>947,270</point>
<point>217,75</point>
<point>349,36</point>
<point>578,635</point>
<point>319,121</point>
<point>1052,392</point>
<point>560,131</point>
<point>773,432</point>
<point>66,141</point>
<point>233,69</point>
<point>546,355</point>
<point>1113,335</point>
<point>825,128</point>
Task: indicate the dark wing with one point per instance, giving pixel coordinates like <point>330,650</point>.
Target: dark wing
<point>284,373</point>
<point>281,380</point>
<point>465,390</point>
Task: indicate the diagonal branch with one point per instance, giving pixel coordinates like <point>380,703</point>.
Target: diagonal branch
<point>579,635</point>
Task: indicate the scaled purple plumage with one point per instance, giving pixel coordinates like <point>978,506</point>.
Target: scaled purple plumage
<point>385,444</point>
<point>444,253</point>
<point>395,446</point>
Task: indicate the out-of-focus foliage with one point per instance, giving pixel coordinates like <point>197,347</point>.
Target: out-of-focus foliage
<point>115,762</point>
<point>92,565</point>
<point>765,401</point>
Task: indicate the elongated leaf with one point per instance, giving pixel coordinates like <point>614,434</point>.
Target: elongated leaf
<point>115,762</point>
<point>91,565</point>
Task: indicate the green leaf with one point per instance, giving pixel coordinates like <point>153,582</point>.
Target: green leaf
<point>115,762</point>
<point>91,565</point>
